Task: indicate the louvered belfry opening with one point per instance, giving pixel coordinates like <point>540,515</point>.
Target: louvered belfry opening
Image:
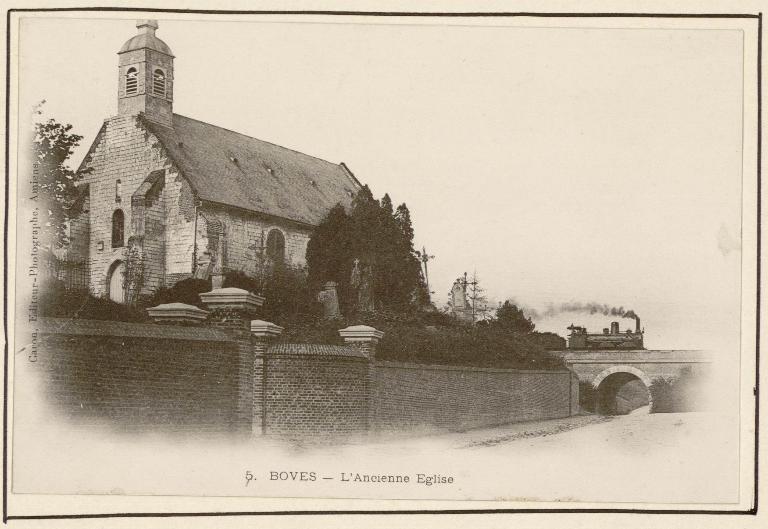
<point>158,83</point>
<point>131,81</point>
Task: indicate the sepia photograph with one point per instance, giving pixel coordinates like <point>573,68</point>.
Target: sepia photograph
<point>297,261</point>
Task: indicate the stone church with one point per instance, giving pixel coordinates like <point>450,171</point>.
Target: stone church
<point>163,197</point>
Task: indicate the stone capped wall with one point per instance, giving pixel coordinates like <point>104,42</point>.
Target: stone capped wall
<point>141,377</point>
<point>216,377</point>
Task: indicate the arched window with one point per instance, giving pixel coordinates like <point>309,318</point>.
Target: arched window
<point>118,190</point>
<point>118,228</point>
<point>131,81</point>
<point>276,246</point>
<point>158,83</point>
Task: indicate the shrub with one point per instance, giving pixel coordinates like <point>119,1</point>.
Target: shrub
<point>672,395</point>
<point>56,301</point>
<point>289,300</point>
<point>431,338</point>
<point>238,279</point>
<point>185,291</point>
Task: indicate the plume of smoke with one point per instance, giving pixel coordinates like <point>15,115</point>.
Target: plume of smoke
<point>588,308</point>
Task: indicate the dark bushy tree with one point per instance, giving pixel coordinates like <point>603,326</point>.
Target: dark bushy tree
<point>548,340</point>
<point>512,319</point>
<point>53,181</point>
<point>380,239</point>
<point>329,253</point>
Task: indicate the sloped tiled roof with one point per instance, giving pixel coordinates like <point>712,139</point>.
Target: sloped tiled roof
<point>236,170</point>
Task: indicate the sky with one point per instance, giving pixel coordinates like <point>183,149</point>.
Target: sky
<point>560,164</point>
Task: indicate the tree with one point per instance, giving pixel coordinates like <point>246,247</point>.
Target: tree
<point>386,204</point>
<point>403,218</point>
<point>329,252</point>
<point>380,240</point>
<point>511,318</point>
<point>478,302</point>
<point>53,182</point>
<point>548,340</point>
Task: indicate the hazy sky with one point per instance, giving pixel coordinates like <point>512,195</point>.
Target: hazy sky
<point>562,164</point>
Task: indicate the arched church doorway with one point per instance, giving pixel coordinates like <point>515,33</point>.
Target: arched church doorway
<point>115,282</point>
<point>621,393</point>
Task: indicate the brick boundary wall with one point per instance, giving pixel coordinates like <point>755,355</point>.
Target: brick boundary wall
<point>220,378</point>
<point>428,398</point>
<point>140,377</point>
<point>314,390</point>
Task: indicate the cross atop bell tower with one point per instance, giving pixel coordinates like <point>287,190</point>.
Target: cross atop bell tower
<point>147,26</point>
<point>145,69</point>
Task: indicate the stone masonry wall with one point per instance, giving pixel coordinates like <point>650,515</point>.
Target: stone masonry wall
<point>124,150</point>
<point>246,234</point>
<point>179,227</point>
<point>442,398</point>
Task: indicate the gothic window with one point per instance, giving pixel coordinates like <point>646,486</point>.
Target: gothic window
<point>276,246</point>
<point>131,81</point>
<point>118,228</point>
<point>158,83</point>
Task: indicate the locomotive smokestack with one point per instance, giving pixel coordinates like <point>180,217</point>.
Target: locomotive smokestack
<point>637,323</point>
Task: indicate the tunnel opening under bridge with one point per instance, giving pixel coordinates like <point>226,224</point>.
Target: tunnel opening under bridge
<point>621,393</point>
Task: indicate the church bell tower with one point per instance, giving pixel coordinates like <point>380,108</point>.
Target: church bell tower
<point>145,84</point>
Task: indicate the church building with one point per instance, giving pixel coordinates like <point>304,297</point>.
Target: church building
<point>164,197</point>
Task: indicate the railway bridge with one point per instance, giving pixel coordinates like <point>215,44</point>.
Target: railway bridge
<point>620,380</point>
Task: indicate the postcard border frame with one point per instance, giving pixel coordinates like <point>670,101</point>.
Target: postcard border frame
<point>476,14</point>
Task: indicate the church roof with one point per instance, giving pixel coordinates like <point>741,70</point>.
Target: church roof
<point>236,170</point>
<point>146,39</point>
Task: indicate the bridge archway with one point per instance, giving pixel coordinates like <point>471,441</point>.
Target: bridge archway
<point>621,389</point>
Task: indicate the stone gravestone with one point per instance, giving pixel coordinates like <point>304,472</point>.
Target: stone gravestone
<point>330,300</point>
<point>204,266</point>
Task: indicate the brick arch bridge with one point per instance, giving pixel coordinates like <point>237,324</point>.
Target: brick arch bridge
<point>622,379</point>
